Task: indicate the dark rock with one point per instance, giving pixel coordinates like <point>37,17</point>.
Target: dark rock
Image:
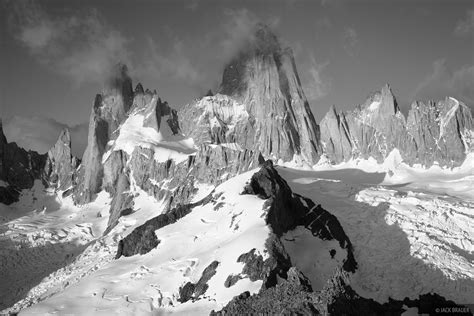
<point>186,292</point>
<point>143,239</point>
<point>9,195</point>
<point>232,279</point>
<point>287,298</point>
<point>18,168</point>
<point>194,291</point>
<point>138,243</point>
<point>337,298</point>
<point>287,210</point>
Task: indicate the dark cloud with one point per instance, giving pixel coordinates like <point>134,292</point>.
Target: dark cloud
<point>80,46</point>
<point>443,82</point>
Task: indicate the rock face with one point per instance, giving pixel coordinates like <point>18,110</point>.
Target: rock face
<point>434,132</point>
<point>109,111</point>
<point>287,210</point>
<point>18,169</point>
<point>442,132</point>
<point>60,167</point>
<point>260,105</point>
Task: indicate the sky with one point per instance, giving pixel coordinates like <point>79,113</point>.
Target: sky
<point>55,54</point>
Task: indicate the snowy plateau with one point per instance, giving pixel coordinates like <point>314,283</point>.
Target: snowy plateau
<point>240,203</point>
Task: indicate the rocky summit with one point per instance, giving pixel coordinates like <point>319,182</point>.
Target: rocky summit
<point>260,105</point>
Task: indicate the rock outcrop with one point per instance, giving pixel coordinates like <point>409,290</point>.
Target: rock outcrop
<point>435,132</point>
<point>195,290</point>
<point>259,106</point>
<point>143,239</point>
<point>291,297</point>
<point>442,132</point>
<point>287,210</point>
<point>60,167</point>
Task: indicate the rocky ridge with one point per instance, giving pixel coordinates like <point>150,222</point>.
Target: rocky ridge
<point>432,133</point>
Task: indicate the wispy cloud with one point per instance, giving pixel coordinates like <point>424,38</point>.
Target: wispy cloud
<point>443,82</point>
<point>465,26</point>
<point>80,46</point>
<point>350,41</point>
<point>175,62</point>
<point>315,87</point>
<point>323,22</point>
<point>238,31</point>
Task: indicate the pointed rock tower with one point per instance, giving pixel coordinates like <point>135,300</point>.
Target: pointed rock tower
<point>260,105</point>
<point>109,111</point>
<point>60,164</point>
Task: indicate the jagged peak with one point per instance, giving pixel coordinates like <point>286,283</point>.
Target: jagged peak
<point>65,136</point>
<point>139,89</point>
<point>382,100</point>
<point>332,112</point>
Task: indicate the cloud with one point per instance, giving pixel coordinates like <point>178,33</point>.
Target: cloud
<point>238,31</point>
<point>80,46</point>
<point>323,23</point>
<point>199,62</point>
<point>40,134</point>
<point>350,41</point>
<point>443,82</point>
<point>175,63</point>
<point>465,26</point>
<point>314,86</point>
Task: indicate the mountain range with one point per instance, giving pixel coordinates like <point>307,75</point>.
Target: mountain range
<point>258,118</point>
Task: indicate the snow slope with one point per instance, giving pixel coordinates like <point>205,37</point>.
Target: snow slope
<point>458,182</point>
<point>165,144</point>
<point>222,230</point>
<point>49,244</point>
<point>407,239</point>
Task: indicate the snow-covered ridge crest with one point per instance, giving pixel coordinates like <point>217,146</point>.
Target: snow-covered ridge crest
<point>135,131</point>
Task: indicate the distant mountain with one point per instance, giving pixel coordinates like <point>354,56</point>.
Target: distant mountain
<point>439,132</point>
<point>40,133</point>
